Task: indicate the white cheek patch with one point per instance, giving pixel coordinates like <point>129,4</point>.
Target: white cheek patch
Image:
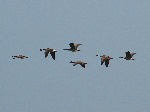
<point>54,50</point>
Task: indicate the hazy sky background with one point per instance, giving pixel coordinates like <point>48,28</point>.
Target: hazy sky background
<point>109,27</point>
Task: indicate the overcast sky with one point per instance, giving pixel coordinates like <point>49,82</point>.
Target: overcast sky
<point>109,27</point>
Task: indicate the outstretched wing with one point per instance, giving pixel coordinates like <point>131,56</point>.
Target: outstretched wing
<point>133,54</point>
<point>128,55</point>
<point>72,45</point>
<point>74,64</point>
<point>77,45</point>
<point>53,55</point>
<point>102,62</point>
<point>107,62</point>
<point>103,59</point>
<point>83,65</point>
<point>46,53</point>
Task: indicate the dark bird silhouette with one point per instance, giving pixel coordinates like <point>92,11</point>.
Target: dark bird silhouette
<point>19,56</point>
<point>80,63</point>
<point>51,51</point>
<point>105,59</point>
<point>73,47</point>
<point>129,56</point>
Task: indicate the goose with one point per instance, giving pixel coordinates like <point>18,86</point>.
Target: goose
<point>128,56</point>
<point>105,59</point>
<point>19,56</point>
<point>73,47</point>
<point>79,62</point>
<point>49,50</point>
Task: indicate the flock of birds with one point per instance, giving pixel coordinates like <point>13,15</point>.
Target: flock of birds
<point>74,47</point>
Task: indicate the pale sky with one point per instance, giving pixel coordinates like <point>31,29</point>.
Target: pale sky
<point>109,27</point>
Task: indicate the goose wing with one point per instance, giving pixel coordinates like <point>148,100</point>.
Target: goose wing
<point>72,46</point>
<point>75,64</point>
<point>77,45</point>
<point>133,54</point>
<point>46,53</point>
<point>83,65</point>
<point>107,62</point>
<point>103,59</point>
<point>53,55</point>
<point>102,62</point>
<point>128,55</point>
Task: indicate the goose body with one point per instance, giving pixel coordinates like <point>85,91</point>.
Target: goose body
<point>73,47</point>
<point>19,56</point>
<point>80,63</point>
<point>129,56</point>
<point>49,50</point>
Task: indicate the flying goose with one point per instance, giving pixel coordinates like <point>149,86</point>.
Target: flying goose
<point>19,56</point>
<point>128,56</point>
<point>79,62</point>
<point>105,59</point>
<point>51,51</point>
<point>73,47</point>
